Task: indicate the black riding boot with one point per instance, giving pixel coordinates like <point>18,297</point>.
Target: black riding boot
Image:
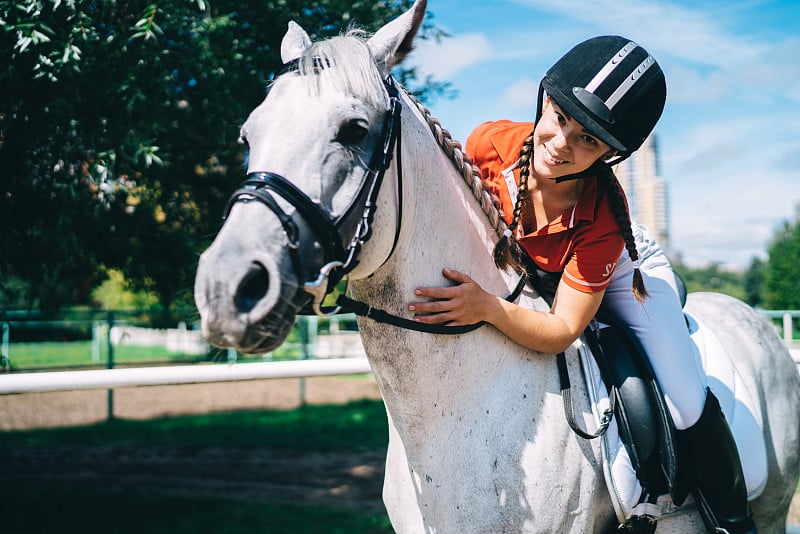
<point>709,452</point>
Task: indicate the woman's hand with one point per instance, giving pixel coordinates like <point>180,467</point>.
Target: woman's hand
<point>462,304</point>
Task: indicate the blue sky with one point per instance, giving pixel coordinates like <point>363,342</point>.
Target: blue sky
<point>730,134</point>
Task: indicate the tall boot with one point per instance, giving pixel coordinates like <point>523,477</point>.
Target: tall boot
<point>709,453</point>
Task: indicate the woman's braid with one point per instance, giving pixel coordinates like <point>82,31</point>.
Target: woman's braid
<point>623,217</point>
<point>507,252</point>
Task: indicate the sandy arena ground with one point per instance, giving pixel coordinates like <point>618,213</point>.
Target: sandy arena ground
<point>64,408</point>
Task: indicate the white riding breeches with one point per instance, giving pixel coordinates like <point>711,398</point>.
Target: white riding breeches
<point>660,326</point>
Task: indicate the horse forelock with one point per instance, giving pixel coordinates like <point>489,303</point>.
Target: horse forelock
<point>343,64</point>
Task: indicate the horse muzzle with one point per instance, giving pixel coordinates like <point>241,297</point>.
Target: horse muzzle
<point>246,299</point>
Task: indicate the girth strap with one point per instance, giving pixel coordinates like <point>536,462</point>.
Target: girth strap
<point>546,290</point>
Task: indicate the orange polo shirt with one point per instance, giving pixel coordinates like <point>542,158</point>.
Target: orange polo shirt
<point>584,242</point>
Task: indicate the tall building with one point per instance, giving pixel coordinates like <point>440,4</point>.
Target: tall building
<point>648,197</point>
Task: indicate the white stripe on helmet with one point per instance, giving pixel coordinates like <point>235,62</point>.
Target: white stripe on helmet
<point>629,81</point>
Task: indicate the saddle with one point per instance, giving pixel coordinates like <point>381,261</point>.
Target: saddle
<point>643,421</point>
<point>640,456</point>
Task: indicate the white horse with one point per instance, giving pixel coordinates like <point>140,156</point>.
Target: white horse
<point>478,440</point>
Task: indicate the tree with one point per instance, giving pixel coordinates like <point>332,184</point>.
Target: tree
<point>118,131</point>
<point>712,278</point>
<point>782,273</point>
<point>754,282</point>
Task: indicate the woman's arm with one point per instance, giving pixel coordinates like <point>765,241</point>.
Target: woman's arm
<point>467,303</point>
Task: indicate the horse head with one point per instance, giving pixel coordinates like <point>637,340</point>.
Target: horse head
<point>318,148</point>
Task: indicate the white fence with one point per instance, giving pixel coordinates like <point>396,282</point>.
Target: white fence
<point>177,374</point>
<point>178,339</point>
<point>330,348</point>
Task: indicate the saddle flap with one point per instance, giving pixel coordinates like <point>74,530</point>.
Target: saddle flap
<point>643,419</point>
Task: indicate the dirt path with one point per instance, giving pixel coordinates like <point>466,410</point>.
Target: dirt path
<point>336,479</point>
<point>66,408</point>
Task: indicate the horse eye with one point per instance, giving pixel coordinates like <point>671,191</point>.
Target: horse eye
<point>352,132</point>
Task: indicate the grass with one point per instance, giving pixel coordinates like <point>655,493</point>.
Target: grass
<point>98,511</point>
<point>359,425</point>
<point>53,355</point>
<point>23,356</point>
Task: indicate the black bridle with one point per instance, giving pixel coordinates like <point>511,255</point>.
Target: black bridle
<point>335,242</point>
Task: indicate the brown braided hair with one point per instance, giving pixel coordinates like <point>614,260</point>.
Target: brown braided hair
<point>620,209</point>
<point>508,252</point>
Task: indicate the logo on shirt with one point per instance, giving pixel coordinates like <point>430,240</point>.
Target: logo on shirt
<point>609,269</point>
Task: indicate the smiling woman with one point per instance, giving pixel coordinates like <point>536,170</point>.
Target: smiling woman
<point>743,80</point>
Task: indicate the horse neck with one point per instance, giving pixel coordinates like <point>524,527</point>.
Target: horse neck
<point>443,224</point>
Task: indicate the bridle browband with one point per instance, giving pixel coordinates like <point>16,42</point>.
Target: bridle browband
<point>329,234</point>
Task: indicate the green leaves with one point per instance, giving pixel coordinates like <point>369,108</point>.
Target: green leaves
<point>146,156</point>
<point>45,32</point>
<point>782,274</point>
<point>146,27</point>
<point>118,131</point>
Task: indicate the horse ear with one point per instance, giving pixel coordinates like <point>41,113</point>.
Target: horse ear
<point>394,41</point>
<point>294,42</point>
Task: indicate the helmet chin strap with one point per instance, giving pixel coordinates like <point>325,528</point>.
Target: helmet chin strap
<point>594,169</point>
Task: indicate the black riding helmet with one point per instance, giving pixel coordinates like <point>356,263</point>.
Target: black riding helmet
<point>612,87</point>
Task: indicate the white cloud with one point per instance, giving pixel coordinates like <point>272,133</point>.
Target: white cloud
<point>450,56</point>
<point>731,184</point>
<point>744,144</point>
<point>775,71</point>
<point>686,84</point>
<point>695,35</point>
<point>520,94</point>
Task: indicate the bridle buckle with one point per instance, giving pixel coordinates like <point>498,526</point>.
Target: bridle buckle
<point>318,289</point>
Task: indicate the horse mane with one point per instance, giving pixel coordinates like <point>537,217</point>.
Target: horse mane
<point>358,75</point>
<point>355,71</point>
<point>470,173</point>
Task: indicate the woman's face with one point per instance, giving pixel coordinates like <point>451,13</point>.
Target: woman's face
<point>561,145</point>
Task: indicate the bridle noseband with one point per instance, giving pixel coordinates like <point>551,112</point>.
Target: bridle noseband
<point>312,232</point>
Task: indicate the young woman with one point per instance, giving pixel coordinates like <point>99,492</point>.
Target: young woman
<point>566,211</point>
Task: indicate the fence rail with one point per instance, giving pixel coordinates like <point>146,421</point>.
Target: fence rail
<point>223,372</point>
<point>787,317</point>
<point>177,374</point>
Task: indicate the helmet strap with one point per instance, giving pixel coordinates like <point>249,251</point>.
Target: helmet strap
<point>539,103</point>
<point>595,169</point>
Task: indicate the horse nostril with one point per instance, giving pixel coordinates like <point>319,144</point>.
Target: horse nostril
<point>252,288</point>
